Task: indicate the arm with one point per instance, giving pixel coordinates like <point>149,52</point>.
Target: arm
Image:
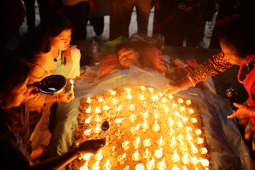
<point>215,65</point>
<point>90,146</point>
<point>66,97</point>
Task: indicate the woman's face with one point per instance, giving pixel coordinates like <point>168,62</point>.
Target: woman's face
<point>61,42</point>
<point>16,96</point>
<point>128,56</point>
<point>230,55</point>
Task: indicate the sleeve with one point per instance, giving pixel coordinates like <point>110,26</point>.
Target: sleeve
<point>36,102</point>
<point>76,57</point>
<point>215,65</point>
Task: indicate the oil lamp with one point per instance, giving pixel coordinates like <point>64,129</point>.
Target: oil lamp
<point>136,156</point>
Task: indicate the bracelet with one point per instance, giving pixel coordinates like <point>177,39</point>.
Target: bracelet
<point>57,98</point>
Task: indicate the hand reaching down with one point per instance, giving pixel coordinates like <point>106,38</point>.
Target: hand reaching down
<point>243,111</point>
<point>66,97</point>
<point>66,55</point>
<point>91,146</point>
<point>171,87</point>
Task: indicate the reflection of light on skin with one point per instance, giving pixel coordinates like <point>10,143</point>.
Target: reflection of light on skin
<point>137,143</point>
<point>198,132</point>
<point>150,164</point>
<point>139,167</point>
<point>88,110</point>
<point>88,120</point>
<point>88,100</point>
<point>107,165</point>
<point>99,156</point>
<point>175,157</point>
<point>87,132</point>
<point>204,162</point>
<point>185,158</point>
<point>158,153</point>
<point>146,154</point>
<point>136,156</point>
<point>126,145</point>
<point>203,151</point>
<point>161,165</point>
<point>188,102</point>
<point>147,142</point>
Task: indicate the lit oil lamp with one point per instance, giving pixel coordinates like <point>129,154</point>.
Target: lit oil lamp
<point>125,145</point>
<point>113,150</point>
<point>180,101</point>
<point>88,100</point>
<point>88,120</point>
<point>118,121</point>
<point>119,133</point>
<point>134,130</point>
<point>131,107</point>
<point>156,127</point>
<point>189,137</point>
<point>183,147</point>
<point>194,160</point>
<point>175,157</point>
<point>136,156</point>
<point>204,162</point>
<point>151,90</point>
<point>164,100</point>
<point>87,132</point>
<point>160,142</point>
<point>88,110</point>
<point>126,168</point>
<point>113,93</point>
<point>146,154</point>
<point>179,124</point>
<point>180,137</point>
<point>170,96</point>
<point>128,90</point>
<point>85,166</point>
<point>188,102</point>
<point>122,159</point>
<point>107,165</point>
<point>132,118</point>
<point>115,101</point>
<point>171,131</point>
<point>142,88</point>
<point>100,100</point>
<point>87,156</point>
<point>193,148</point>
<point>203,151</point>
<point>99,156</point>
<point>141,97</point>
<point>129,97</point>
<point>173,142</point>
<point>98,119</point>
<point>170,121</point>
<point>154,98</point>
<point>200,140</point>
<point>137,143</point>
<point>161,165</point>
<point>145,126</point>
<point>147,142</point>
<point>184,119</point>
<point>97,129</point>
<point>182,109</point>
<point>191,111</point>
<point>185,158</point>
<point>188,129</point>
<point>96,166</point>
<point>151,164</point>
<point>198,132</point>
<point>98,110</point>
<point>158,153</point>
<point>139,167</point>
<point>176,114</point>
<point>193,120</point>
<point>175,168</point>
<point>146,115</point>
<point>174,105</point>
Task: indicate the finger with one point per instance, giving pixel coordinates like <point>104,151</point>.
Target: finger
<point>73,47</point>
<point>232,115</point>
<point>237,105</point>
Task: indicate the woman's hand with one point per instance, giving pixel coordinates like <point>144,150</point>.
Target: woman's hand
<point>66,55</point>
<point>171,87</point>
<point>243,111</point>
<point>66,97</point>
<point>91,146</point>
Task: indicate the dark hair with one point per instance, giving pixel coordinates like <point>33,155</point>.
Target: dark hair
<point>240,36</point>
<point>39,39</point>
<point>13,72</point>
<point>128,45</point>
<point>135,45</point>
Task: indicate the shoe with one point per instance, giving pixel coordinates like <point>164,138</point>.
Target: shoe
<point>97,38</point>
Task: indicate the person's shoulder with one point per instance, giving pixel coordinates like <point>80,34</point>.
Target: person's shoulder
<point>42,58</point>
<point>76,51</point>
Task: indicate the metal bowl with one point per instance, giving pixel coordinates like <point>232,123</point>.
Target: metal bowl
<point>52,84</point>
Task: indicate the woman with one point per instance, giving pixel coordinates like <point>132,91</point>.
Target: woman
<point>47,51</point>
<point>13,91</point>
<point>237,42</point>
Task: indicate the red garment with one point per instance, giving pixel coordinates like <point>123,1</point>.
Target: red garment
<point>249,84</point>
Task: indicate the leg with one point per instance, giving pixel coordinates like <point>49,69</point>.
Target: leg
<point>143,9</point>
<point>128,9</point>
<point>98,24</point>
<point>30,11</point>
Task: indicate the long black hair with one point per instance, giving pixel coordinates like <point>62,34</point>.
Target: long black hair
<point>13,72</point>
<point>240,36</point>
<point>39,39</point>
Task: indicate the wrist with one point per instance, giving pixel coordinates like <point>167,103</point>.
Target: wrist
<point>184,83</point>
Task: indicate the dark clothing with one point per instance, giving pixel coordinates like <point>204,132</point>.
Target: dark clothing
<point>98,25</point>
<point>30,11</point>
<point>13,156</point>
<point>78,15</point>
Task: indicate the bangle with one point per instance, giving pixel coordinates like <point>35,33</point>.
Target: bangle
<point>57,99</point>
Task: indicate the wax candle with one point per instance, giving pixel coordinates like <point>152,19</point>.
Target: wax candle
<point>72,86</point>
